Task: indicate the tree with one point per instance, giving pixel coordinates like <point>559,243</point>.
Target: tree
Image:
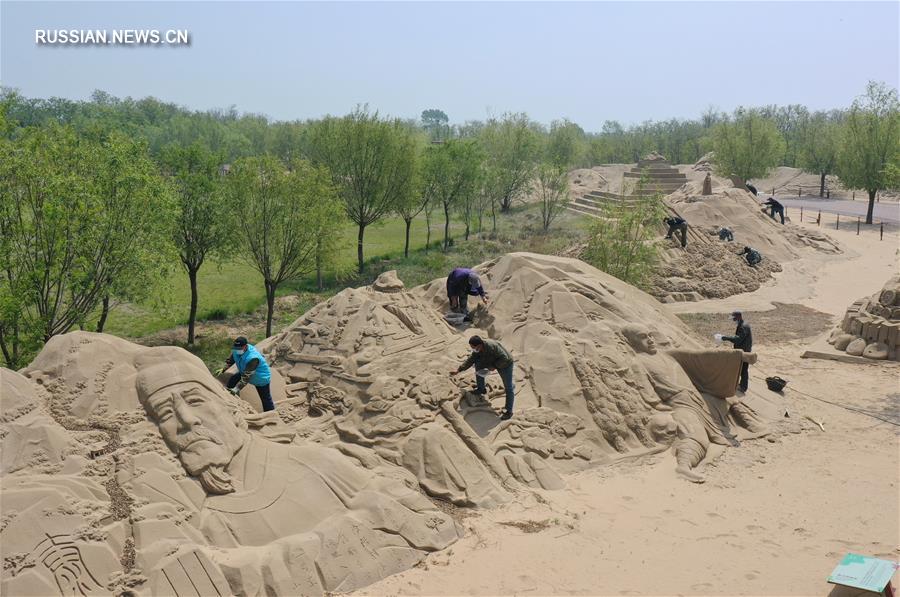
<point>413,202</point>
<point>566,146</point>
<point>79,217</point>
<point>372,163</point>
<point>818,146</point>
<point>200,228</point>
<point>746,146</point>
<point>870,142</point>
<point>553,192</point>
<point>450,172</point>
<point>512,146</point>
<point>620,242</point>
<point>278,214</point>
<point>436,123</point>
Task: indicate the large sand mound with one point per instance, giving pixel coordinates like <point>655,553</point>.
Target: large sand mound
<point>128,467</point>
<point>711,268</point>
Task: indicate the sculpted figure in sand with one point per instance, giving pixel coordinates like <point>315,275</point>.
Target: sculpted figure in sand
<point>332,524</point>
<point>692,420</point>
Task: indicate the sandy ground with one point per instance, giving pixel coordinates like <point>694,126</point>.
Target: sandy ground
<point>775,515</point>
<point>823,282</point>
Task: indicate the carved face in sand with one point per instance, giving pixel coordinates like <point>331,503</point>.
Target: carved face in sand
<point>194,422</point>
<point>195,425</point>
<point>663,428</point>
<point>639,338</point>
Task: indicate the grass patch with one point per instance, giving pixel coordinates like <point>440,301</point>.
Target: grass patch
<point>232,299</point>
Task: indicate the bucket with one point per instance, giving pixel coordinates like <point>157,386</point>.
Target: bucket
<point>776,384</point>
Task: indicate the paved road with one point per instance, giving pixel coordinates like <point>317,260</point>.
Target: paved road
<point>888,212</point>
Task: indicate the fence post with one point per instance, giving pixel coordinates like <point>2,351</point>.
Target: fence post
<point>837,224</point>
<point>881,234</point>
<point>799,189</point>
<point>853,198</point>
<point>819,218</point>
<point>801,213</point>
<point>828,194</point>
<point>857,225</point>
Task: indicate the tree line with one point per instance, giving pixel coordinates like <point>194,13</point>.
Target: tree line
<point>99,197</point>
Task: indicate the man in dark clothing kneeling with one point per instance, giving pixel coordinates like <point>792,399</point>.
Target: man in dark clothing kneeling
<point>742,340</point>
<point>487,355</point>
<point>677,224</point>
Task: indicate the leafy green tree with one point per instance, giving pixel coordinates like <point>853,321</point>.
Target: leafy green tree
<point>620,242</point>
<point>372,163</point>
<point>412,203</point>
<point>746,146</point>
<point>553,192</point>
<point>870,143</point>
<point>436,123</point>
<point>566,146</point>
<point>278,214</point>
<point>79,217</point>
<point>819,140</point>
<point>512,145</point>
<point>450,172</point>
<point>200,229</point>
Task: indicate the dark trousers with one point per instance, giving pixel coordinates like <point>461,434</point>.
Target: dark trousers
<point>506,374</point>
<point>265,392</point>
<point>682,230</point>
<point>779,210</point>
<point>745,377</point>
<point>462,305</point>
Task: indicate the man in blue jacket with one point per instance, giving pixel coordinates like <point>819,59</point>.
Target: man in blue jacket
<point>461,283</point>
<point>252,368</point>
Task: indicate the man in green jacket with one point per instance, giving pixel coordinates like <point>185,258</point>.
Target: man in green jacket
<point>486,356</point>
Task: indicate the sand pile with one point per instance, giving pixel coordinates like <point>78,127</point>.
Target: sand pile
<point>127,467</point>
<point>371,368</point>
<point>130,468</point>
<point>585,180</point>
<point>712,268</point>
<point>871,325</point>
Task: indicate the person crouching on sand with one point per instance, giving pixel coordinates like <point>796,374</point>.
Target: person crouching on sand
<point>488,355</point>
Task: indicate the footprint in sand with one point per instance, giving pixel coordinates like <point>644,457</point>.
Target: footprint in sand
<point>701,586</point>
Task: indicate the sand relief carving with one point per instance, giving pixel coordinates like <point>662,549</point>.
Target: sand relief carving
<point>309,504</point>
<point>196,492</point>
<point>685,416</point>
<point>871,325</point>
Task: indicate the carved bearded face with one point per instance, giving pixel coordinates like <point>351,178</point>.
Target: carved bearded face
<point>199,429</point>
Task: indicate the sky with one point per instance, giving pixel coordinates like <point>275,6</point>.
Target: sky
<point>585,61</point>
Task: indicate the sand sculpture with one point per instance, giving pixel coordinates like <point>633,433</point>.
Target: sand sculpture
<point>383,358</point>
<point>128,468</point>
<point>131,468</point>
<point>711,268</point>
<point>871,325</point>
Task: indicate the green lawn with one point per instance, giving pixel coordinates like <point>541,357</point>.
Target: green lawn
<point>230,290</point>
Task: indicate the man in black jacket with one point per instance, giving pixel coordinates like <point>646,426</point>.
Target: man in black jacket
<point>774,208</point>
<point>742,340</point>
<point>679,225</point>
<point>487,355</point>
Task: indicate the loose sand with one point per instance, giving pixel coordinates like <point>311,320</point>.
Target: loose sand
<point>773,518</point>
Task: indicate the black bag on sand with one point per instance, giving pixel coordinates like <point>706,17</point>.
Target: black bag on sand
<point>776,384</point>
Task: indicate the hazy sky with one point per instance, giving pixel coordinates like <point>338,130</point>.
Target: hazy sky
<point>588,62</point>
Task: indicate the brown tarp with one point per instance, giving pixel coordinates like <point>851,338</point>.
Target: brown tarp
<point>714,372</point>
